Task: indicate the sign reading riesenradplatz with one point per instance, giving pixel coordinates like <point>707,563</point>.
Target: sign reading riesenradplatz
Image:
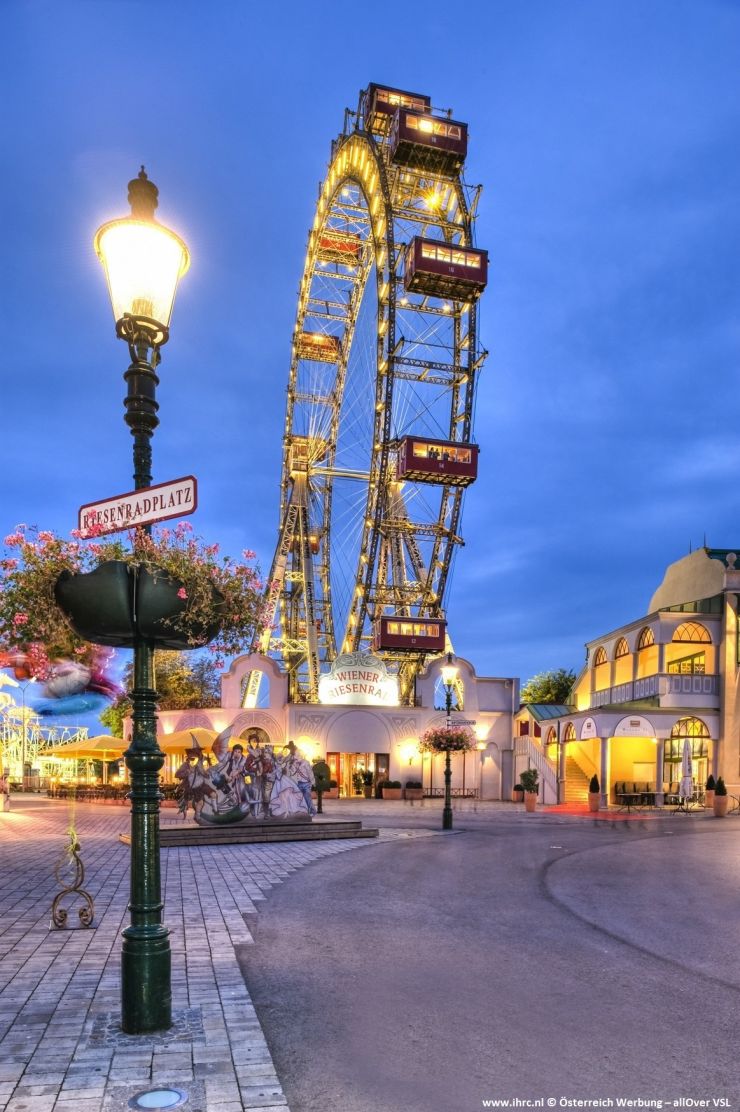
<point>176,498</point>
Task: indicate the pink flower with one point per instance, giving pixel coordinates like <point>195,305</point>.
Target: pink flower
<point>20,619</point>
<point>248,554</point>
<point>182,593</point>
<point>14,538</point>
<point>45,537</point>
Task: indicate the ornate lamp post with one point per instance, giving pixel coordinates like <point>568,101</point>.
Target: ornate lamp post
<point>449,675</point>
<point>143,263</point>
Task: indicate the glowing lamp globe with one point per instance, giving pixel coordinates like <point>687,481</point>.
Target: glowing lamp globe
<point>143,260</point>
<point>449,672</point>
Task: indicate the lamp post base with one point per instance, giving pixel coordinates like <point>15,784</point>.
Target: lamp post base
<point>447,812</point>
<point>146,996</point>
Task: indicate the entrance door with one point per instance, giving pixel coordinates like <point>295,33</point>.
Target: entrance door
<point>347,770</point>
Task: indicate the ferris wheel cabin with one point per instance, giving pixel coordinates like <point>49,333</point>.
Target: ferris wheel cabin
<point>427,142</point>
<point>413,635</point>
<point>443,270</point>
<point>437,461</point>
<point>318,346</point>
<point>379,104</point>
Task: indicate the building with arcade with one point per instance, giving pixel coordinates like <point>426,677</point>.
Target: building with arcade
<point>669,675</point>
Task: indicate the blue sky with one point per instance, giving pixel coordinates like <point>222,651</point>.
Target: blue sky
<point>605,135</point>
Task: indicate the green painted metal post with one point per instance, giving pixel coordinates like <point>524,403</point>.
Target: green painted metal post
<point>447,812</point>
<point>146,979</point>
<point>146,994</point>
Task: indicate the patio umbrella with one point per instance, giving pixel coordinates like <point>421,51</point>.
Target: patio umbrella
<point>687,778</point>
<point>101,748</point>
<point>187,739</point>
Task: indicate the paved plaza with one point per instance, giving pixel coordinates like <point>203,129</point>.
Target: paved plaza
<point>427,972</point>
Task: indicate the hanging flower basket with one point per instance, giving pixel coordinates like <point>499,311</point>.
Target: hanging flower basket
<point>57,596</point>
<point>438,739</point>
<point>118,602</point>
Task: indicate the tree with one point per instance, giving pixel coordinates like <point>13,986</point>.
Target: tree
<point>549,687</point>
<point>183,680</point>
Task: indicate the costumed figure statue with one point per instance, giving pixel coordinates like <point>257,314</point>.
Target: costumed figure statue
<point>194,775</point>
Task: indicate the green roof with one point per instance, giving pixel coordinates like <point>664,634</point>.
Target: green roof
<point>541,711</point>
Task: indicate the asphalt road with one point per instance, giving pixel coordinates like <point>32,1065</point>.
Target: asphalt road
<point>514,959</point>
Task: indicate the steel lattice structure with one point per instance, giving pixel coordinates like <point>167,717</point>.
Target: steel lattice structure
<point>371,362</point>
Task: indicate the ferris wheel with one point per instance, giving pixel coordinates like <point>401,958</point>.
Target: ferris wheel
<point>377,444</point>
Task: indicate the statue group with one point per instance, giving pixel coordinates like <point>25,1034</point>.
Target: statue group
<point>245,782</point>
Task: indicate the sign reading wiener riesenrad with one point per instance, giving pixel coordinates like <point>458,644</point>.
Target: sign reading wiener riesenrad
<point>161,502</point>
<point>359,679</point>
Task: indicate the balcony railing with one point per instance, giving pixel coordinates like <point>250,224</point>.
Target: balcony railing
<point>662,684</point>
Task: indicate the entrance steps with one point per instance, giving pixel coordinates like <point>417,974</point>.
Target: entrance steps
<point>576,783</point>
<point>189,834</point>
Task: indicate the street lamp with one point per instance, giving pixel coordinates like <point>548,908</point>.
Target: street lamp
<point>24,735</point>
<point>143,263</point>
<point>449,675</point>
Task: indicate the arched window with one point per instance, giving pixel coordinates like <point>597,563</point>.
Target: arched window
<point>570,733</point>
<point>552,736</point>
<point>696,732</point>
<point>622,649</point>
<point>692,631</point>
<point>599,656</point>
<point>646,638</point>
<point>690,727</point>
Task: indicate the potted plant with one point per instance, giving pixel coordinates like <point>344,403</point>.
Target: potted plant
<point>720,799</point>
<point>321,782</point>
<point>358,782</point>
<point>709,791</point>
<point>367,783</point>
<point>391,789</point>
<point>594,793</point>
<point>530,782</point>
<point>57,596</point>
<point>517,793</point>
<point>414,790</point>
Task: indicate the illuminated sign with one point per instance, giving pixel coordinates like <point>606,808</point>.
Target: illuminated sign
<point>359,679</point>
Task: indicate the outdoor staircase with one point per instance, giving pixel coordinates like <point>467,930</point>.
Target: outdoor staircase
<point>576,783</point>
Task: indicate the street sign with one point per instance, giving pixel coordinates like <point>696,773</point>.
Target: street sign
<point>177,498</point>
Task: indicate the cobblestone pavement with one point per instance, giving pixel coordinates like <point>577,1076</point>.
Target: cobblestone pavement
<point>61,1047</point>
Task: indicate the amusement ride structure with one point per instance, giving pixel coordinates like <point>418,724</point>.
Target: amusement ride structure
<point>377,445</point>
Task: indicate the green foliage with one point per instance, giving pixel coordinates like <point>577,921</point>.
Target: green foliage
<point>321,772</point>
<point>183,680</point>
<point>413,783</point>
<point>710,784</point>
<point>594,784</point>
<point>549,687</point>
<point>358,781</point>
<point>720,788</point>
<point>367,778</point>
<point>389,784</point>
<point>530,780</point>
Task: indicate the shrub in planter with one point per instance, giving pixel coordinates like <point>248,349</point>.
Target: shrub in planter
<point>720,799</point>
<point>594,794</point>
<point>530,782</point>
<point>517,793</point>
<point>391,789</point>
<point>413,789</point>
<point>709,790</point>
